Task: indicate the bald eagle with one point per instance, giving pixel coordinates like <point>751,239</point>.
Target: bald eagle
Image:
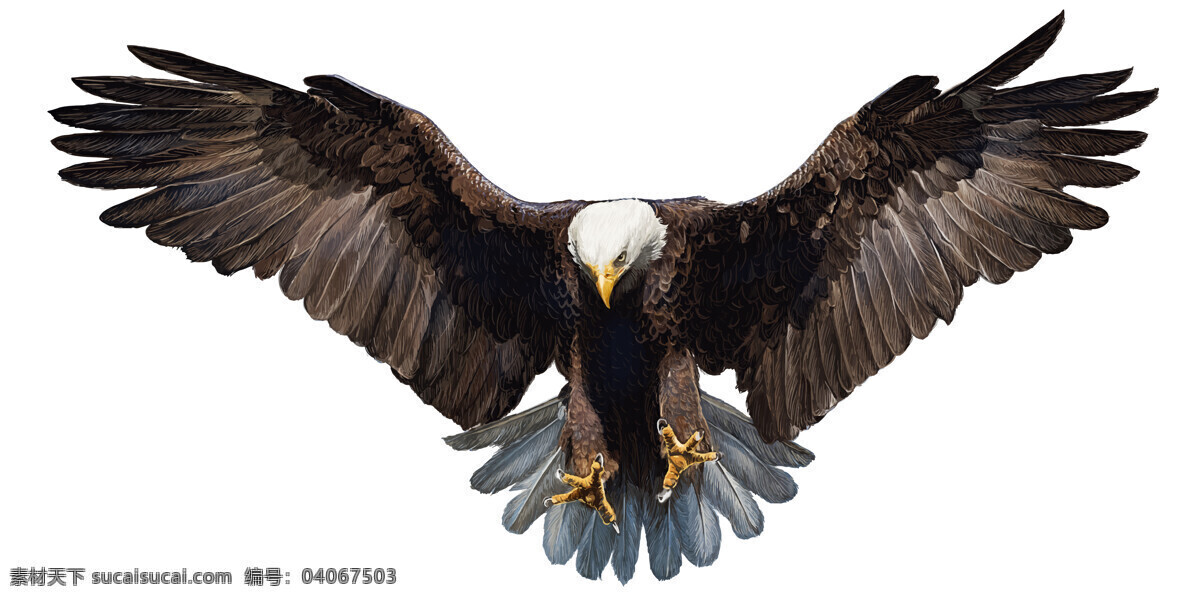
<point>366,212</point>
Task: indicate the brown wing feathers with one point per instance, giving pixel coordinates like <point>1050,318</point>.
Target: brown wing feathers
<point>370,216</point>
<point>358,204</point>
<point>908,202</point>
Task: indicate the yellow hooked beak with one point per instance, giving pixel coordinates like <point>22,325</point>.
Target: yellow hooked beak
<point>606,279</point>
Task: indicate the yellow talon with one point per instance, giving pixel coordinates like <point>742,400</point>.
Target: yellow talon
<point>680,457</point>
<point>588,490</point>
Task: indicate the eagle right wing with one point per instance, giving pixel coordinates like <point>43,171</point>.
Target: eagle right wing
<point>823,280</point>
<point>361,206</point>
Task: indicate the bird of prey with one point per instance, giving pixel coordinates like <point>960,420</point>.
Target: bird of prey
<point>365,211</point>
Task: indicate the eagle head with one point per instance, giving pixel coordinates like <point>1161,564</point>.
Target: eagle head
<point>610,239</point>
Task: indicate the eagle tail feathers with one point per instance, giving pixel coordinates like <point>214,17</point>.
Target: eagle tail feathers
<point>687,526</point>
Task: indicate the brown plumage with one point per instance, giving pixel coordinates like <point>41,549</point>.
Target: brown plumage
<point>366,212</point>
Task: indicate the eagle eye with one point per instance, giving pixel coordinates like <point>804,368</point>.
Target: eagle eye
<point>620,260</point>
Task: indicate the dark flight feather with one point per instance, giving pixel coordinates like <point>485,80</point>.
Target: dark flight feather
<point>1087,142</point>
<point>186,66</point>
<point>158,92</point>
<point>123,117</point>
<point>1063,88</point>
<point>1013,62</point>
<point>109,145</point>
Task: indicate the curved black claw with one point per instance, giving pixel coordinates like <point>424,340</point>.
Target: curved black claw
<point>662,424</point>
<point>560,474</point>
<point>720,455</point>
<point>600,459</point>
<point>548,502</point>
<point>664,495</point>
<point>616,529</point>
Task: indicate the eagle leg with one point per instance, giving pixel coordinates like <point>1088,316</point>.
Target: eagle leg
<point>588,490</point>
<point>680,457</point>
<point>679,402</point>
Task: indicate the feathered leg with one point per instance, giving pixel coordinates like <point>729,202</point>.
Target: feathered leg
<point>679,399</point>
<point>583,436</point>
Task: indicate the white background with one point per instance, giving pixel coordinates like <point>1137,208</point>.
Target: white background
<point>159,416</point>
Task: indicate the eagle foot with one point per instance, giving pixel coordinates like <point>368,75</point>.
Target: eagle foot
<point>680,457</point>
<point>589,491</point>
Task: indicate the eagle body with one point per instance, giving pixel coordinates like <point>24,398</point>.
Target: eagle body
<point>365,211</point>
<point>618,358</point>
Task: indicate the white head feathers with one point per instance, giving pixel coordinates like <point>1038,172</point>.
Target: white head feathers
<point>601,232</point>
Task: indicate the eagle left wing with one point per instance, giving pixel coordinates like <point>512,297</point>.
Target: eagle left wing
<point>360,205</point>
<point>824,279</point>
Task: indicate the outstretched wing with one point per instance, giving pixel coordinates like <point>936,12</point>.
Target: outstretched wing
<point>823,280</point>
<point>360,205</point>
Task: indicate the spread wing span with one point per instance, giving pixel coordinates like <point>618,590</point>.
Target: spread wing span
<point>360,205</point>
<point>824,279</point>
